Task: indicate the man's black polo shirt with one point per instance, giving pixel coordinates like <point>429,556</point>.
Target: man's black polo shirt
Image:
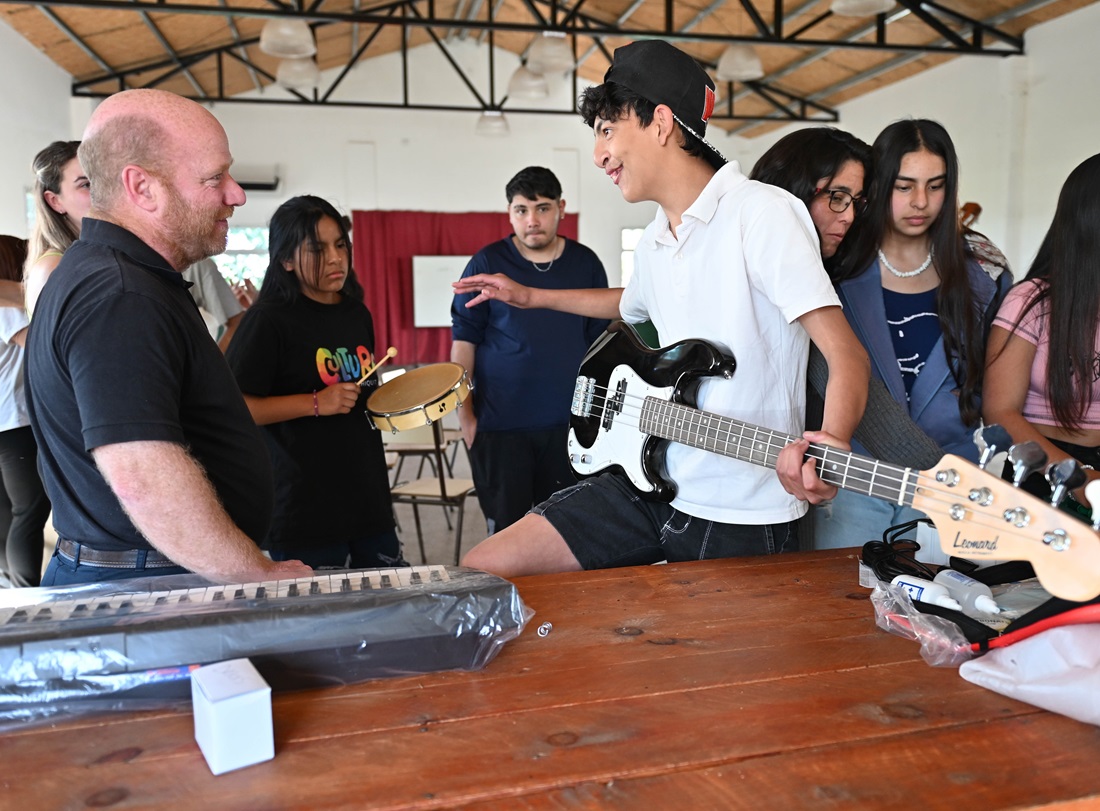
<point>117,352</point>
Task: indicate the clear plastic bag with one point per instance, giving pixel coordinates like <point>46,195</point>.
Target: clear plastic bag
<point>133,644</point>
<point>942,643</point>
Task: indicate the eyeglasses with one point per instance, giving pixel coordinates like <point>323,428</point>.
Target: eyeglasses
<point>839,200</point>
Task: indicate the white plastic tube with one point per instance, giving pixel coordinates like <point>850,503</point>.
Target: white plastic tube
<point>926,591</point>
<point>973,595</point>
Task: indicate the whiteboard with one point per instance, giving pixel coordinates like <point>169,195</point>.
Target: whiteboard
<point>432,292</point>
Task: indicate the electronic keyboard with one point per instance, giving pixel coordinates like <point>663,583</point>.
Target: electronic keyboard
<point>333,628</point>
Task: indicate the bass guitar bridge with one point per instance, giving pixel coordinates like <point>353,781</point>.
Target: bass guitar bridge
<point>583,393</point>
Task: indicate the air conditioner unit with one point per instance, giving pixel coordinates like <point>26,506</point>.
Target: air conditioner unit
<point>257,178</point>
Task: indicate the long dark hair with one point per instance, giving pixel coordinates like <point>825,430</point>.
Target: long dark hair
<point>1069,261</point>
<point>797,161</point>
<point>293,223</point>
<point>13,255</point>
<point>959,311</point>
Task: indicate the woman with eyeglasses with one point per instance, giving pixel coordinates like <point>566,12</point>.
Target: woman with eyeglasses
<point>920,293</point>
<point>825,168</point>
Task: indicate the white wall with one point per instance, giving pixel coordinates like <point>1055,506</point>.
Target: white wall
<point>1019,124</point>
<point>34,106</point>
<point>1062,124</point>
<point>423,160</point>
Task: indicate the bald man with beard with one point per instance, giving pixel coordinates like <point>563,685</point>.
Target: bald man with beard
<point>148,453</point>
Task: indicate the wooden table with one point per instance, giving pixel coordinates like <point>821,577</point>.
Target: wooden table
<point>750,684</point>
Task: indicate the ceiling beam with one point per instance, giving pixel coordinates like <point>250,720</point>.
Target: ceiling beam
<point>72,35</point>
<point>355,57</point>
<point>890,64</point>
<point>236,34</point>
<point>158,35</point>
<point>985,39</point>
<point>579,25</point>
<point>788,107</point>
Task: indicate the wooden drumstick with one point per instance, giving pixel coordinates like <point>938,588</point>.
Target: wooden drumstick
<point>390,353</point>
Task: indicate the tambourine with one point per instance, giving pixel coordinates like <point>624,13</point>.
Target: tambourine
<point>419,397</point>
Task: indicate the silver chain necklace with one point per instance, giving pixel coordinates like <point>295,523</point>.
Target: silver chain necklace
<point>534,264</point>
<point>900,274</point>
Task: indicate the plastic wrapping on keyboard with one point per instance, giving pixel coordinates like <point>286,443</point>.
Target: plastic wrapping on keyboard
<point>132,644</point>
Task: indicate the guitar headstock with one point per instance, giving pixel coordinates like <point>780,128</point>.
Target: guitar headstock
<point>982,517</point>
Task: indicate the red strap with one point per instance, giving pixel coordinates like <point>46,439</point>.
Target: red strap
<point>1075,616</point>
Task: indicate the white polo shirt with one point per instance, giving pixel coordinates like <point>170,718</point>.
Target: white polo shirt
<point>744,264</point>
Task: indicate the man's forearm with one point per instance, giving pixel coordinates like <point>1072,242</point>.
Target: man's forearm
<point>588,302</point>
<point>849,370</point>
<point>167,495</point>
<point>464,353</point>
<point>845,395</point>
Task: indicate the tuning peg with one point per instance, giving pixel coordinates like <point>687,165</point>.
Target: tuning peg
<point>1092,493</point>
<point>1026,458</point>
<point>991,440</point>
<point>1064,476</point>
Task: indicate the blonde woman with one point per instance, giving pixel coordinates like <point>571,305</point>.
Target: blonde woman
<point>61,201</point>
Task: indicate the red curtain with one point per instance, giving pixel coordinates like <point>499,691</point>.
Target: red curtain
<point>384,243</point>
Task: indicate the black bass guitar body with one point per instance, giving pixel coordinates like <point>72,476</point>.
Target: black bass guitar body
<point>615,378</point>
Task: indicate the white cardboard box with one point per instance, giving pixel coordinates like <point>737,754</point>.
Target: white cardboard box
<point>232,706</point>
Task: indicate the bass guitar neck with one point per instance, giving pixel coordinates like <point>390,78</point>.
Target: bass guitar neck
<point>631,401</point>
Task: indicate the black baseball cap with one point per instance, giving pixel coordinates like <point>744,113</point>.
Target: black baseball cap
<point>663,74</point>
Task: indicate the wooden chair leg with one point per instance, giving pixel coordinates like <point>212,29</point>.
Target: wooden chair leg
<point>424,458</point>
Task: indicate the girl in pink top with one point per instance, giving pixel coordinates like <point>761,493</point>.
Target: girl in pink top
<point>1054,398</point>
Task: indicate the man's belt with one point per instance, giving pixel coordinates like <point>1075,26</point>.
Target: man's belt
<point>85,555</point>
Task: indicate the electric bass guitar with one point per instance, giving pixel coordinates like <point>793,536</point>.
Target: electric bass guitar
<point>630,401</point>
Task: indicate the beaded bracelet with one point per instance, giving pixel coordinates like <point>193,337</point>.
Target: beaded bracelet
<point>316,411</point>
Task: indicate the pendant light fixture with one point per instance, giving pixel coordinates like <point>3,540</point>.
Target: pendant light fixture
<point>492,124</point>
<point>298,74</point>
<point>739,63</point>
<point>526,85</point>
<point>550,53</point>
<point>287,38</point>
<point>861,8</point>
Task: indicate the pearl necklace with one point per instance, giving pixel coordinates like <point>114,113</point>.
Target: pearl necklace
<point>886,264</point>
<point>534,264</point>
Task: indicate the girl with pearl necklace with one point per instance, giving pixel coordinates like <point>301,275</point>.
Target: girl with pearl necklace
<point>920,293</point>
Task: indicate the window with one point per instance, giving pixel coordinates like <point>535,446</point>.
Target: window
<point>245,256</point>
<point>630,237</point>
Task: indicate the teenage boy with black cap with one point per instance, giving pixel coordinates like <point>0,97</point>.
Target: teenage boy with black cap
<point>728,260</point>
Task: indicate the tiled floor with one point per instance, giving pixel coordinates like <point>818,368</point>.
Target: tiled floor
<point>439,541</point>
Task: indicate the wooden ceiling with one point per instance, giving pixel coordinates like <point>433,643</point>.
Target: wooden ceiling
<point>813,60</point>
